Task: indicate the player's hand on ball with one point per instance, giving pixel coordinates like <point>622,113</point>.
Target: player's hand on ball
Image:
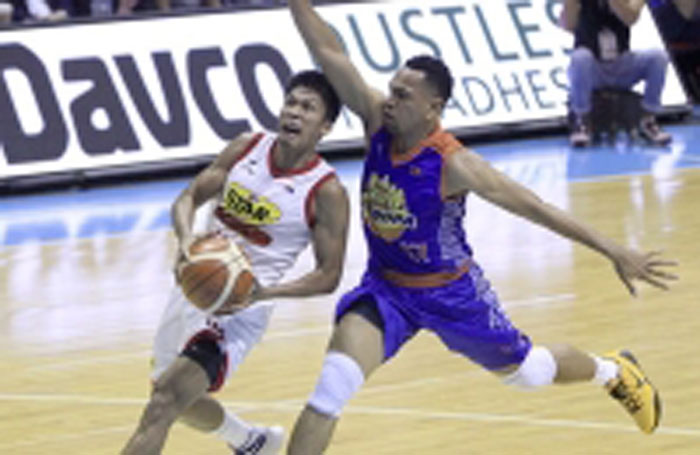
<point>182,256</point>
<point>215,275</point>
<point>233,307</point>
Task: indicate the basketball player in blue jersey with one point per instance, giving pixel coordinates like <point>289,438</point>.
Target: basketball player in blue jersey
<point>421,273</point>
<point>274,195</point>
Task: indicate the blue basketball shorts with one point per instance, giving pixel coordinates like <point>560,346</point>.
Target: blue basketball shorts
<point>465,314</point>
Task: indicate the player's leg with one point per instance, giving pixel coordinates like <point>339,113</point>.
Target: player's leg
<point>544,365</point>
<point>574,365</point>
<point>491,340</point>
<point>235,336</point>
<point>205,414</point>
<point>650,66</point>
<point>209,416</point>
<point>583,74</point>
<point>175,390</point>
<point>632,388</point>
<point>356,349</point>
<point>619,372</point>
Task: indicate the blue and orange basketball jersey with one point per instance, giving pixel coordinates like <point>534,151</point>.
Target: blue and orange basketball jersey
<point>412,228</point>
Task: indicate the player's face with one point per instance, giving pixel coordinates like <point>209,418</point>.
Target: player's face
<point>302,120</point>
<point>411,103</point>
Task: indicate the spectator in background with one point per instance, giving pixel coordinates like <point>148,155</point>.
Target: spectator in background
<point>38,11</point>
<point>5,12</point>
<point>602,58</point>
<point>130,6</point>
<point>126,7</point>
<point>77,8</point>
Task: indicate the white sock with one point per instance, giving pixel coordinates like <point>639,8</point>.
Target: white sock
<point>605,370</point>
<point>233,430</point>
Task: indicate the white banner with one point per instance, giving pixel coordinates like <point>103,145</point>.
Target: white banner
<point>85,96</point>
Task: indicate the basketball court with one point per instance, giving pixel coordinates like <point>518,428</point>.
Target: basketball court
<point>85,274</point>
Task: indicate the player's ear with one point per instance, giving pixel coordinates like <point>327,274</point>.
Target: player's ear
<point>326,127</point>
<point>437,104</point>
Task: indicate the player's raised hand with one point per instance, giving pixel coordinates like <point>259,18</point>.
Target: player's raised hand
<point>632,265</point>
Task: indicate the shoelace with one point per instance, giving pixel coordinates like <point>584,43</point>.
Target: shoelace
<point>252,447</point>
<point>630,400</point>
<point>651,127</point>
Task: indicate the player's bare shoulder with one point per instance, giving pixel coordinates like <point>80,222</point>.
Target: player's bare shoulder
<point>235,148</point>
<point>331,198</point>
<point>464,168</point>
<point>331,191</point>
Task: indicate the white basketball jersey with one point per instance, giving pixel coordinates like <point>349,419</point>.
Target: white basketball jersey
<point>269,208</point>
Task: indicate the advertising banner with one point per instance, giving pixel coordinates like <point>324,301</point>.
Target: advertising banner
<point>87,96</point>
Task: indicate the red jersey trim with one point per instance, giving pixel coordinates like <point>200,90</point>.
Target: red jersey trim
<point>277,172</point>
<point>311,197</point>
<point>248,148</point>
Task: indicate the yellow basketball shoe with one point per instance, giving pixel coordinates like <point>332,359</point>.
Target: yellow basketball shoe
<point>634,391</point>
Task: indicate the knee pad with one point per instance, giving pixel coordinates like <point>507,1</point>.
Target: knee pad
<point>538,369</point>
<point>341,377</point>
<point>204,349</point>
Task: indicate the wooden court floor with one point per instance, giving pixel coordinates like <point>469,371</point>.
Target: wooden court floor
<point>77,316</point>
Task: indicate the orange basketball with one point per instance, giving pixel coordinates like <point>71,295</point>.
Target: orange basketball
<point>217,275</point>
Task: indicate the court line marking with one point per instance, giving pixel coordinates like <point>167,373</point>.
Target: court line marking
<point>517,419</point>
<point>295,406</point>
<point>146,353</point>
<point>271,335</point>
<point>296,333</point>
<point>91,360</point>
<point>603,178</point>
<point>67,437</point>
<point>535,301</point>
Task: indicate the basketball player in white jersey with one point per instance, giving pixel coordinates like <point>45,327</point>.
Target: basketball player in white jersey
<point>274,195</point>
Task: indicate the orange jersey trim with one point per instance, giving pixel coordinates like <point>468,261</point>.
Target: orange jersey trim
<point>440,140</point>
<point>423,280</point>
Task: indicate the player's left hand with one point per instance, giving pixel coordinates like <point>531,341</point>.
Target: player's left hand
<point>241,304</point>
<point>632,265</point>
<point>259,292</point>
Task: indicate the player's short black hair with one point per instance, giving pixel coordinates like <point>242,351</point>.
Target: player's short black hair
<point>437,74</point>
<point>317,81</point>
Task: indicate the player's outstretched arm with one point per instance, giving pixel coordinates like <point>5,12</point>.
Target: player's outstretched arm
<point>568,19</point>
<point>329,53</point>
<point>467,171</point>
<point>331,210</point>
<point>627,10</point>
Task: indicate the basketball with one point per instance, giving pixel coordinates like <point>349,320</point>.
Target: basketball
<point>217,275</point>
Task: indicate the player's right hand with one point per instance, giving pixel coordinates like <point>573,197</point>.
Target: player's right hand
<point>182,256</point>
<point>633,265</point>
